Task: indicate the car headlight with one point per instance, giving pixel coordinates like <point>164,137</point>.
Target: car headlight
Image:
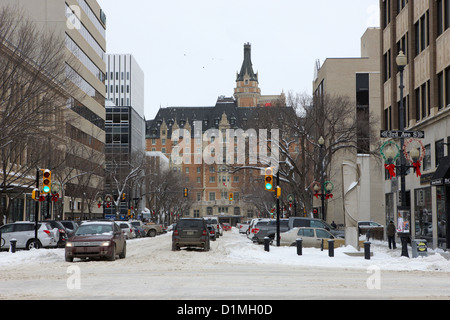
<point>69,244</point>
<point>106,244</point>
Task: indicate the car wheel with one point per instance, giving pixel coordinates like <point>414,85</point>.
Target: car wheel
<point>31,244</point>
<point>124,251</point>
<point>174,246</point>
<point>112,257</point>
<point>151,233</point>
<point>69,258</point>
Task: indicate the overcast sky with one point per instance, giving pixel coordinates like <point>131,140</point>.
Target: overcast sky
<point>190,50</point>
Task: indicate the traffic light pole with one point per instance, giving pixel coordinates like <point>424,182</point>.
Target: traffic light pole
<point>36,213</point>
<point>278,210</point>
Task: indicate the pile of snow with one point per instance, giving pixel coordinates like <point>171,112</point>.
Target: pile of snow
<point>383,257</point>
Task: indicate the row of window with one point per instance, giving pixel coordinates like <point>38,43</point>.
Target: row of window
<point>423,103</point>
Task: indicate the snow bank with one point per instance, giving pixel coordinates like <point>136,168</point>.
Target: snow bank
<point>383,257</point>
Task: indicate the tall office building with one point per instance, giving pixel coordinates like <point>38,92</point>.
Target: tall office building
<point>125,128</point>
<point>358,79</point>
<point>421,29</point>
<point>82,25</point>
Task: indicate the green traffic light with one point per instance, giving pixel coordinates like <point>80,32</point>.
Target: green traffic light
<point>268,186</point>
<point>46,189</point>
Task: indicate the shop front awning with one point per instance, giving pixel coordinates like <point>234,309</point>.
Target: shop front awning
<point>442,175</point>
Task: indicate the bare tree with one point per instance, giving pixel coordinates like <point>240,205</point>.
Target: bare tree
<point>35,86</point>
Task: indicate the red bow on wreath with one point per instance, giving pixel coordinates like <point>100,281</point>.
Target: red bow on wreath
<point>416,166</point>
<point>391,169</point>
<point>329,196</point>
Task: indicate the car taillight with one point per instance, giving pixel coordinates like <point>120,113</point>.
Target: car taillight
<point>47,232</point>
<point>204,233</point>
<point>255,230</point>
<point>175,233</point>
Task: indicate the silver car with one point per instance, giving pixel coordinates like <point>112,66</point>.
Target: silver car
<point>312,237</point>
<point>23,232</point>
<point>127,229</point>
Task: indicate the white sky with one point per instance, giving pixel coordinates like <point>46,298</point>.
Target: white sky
<point>190,50</point>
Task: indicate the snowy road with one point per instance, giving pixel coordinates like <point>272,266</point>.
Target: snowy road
<point>233,269</point>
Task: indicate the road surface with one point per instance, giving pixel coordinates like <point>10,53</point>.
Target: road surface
<point>152,271</point>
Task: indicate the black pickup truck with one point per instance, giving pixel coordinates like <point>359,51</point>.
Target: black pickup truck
<point>269,229</point>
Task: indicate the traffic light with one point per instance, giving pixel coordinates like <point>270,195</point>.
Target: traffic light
<point>268,179</point>
<point>185,192</point>
<point>46,182</point>
<point>124,196</point>
<point>230,196</point>
<point>35,195</point>
<point>278,192</point>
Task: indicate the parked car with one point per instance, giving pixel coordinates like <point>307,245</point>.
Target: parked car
<point>214,221</point>
<point>315,223</point>
<point>138,228</point>
<point>127,229</point>
<point>243,227</point>
<point>63,234</point>
<point>23,232</point>
<point>254,227</point>
<point>369,224</point>
<point>269,229</point>
<point>97,239</point>
<point>212,233</point>
<point>226,227</point>
<point>312,237</point>
<point>191,232</point>
<point>71,226</point>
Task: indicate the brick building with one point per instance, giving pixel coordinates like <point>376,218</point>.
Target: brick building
<point>206,169</point>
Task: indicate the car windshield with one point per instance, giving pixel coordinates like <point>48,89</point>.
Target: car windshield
<point>94,229</point>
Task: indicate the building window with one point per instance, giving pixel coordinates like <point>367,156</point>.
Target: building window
<point>212,196</point>
<point>421,28</point>
<point>196,213</point>
<point>386,7</point>
<point>427,158</point>
<point>443,12</point>
<point>439,151</point>
<point>387,66</point>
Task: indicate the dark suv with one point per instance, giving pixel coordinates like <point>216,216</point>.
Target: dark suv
<point>191,232</point>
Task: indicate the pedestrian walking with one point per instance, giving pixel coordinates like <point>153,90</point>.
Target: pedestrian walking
<point>391,230</point>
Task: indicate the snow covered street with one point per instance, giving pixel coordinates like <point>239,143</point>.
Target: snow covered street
<point>234,269</point>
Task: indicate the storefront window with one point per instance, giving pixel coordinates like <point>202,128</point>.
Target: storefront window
<point>423,216</point>
<point>441,219</point>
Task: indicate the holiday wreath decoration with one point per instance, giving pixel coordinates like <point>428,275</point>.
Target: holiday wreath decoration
<point>414,159</point>
<point>390,159</point>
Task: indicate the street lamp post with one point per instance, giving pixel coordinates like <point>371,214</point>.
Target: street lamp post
<point>401,63</point>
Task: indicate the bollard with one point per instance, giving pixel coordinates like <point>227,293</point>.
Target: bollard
<point>331,248</point>
<point>367,250</point>
<point>13,245</point>
<point>299,246</point>
<point>266,244</point>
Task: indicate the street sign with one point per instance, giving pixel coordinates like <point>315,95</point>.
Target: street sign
<point>402,134</point>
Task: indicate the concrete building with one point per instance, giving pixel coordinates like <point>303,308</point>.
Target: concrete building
<point>82,24</point>
<point>358,79</point>
<point>421,30</point>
